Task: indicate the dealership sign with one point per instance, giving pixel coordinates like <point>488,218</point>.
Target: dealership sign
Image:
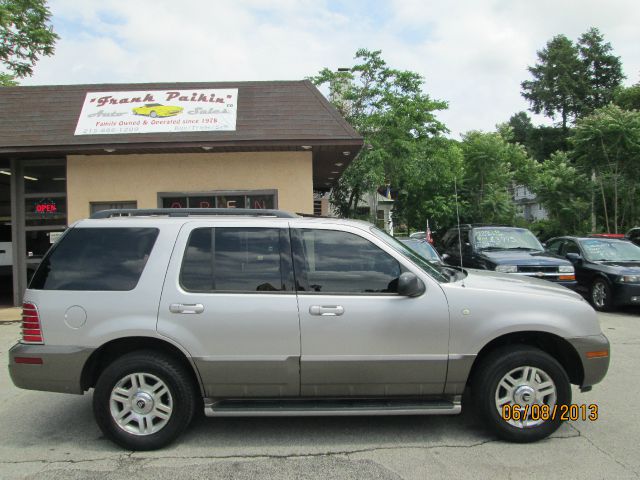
<point>109,113</point>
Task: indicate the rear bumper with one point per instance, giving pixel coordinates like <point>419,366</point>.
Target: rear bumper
<point>594,368</point>
<point>60,371</point>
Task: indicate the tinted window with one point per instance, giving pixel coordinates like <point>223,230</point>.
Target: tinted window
<point>96,259</point>
<point>554,247</point>
<point>571,247</point>
<point>234,260</point>
<point>341,262</point>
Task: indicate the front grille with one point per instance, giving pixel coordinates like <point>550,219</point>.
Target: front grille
<point>536,269</point>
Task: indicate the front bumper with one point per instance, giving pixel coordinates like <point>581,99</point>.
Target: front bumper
<point>60,371</point>
<point>594,368</point>
<point>624,293</point>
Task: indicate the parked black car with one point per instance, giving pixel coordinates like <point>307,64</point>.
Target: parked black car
<point>634,235</point>
<point>608,270</point>
<point>505,249</point>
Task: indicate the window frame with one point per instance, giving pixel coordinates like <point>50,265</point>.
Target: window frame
<point>286,263</point>
<point>301,271</point>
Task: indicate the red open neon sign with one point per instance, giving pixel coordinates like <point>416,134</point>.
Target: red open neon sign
<point>46,206</point>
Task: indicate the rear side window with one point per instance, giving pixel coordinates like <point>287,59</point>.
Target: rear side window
<point>96,259</point>
<point>236,259</point>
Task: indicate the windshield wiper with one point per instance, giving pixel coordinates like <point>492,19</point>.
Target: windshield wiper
<point>492,248</point>
<point>523,248</point>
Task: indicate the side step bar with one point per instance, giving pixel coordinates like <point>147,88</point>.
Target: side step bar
<point>332,407</point>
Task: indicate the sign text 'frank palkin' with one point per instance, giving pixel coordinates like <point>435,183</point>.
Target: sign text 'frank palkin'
<point>109,113</point>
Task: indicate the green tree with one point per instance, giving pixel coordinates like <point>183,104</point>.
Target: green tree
<point>25,36</point>
<point>602,70</point>
<point>521,127</point>
<point>427,185</point>
<point>565,193</point>
<point>628,98</point>
<point>558,82</point>
<point>492,166</point>
<point>607,143</point>
<point>389,109</point>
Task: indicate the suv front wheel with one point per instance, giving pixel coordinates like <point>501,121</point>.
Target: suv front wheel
<point>144,400</point>
<point>516,389</point>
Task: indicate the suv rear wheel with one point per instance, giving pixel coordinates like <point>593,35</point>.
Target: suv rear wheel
<point>516,390</point>
<point>144,400</point>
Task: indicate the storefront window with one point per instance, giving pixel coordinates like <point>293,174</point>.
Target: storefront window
<point>40,211</point>
<point>45,178</point>
<point>231,201</point>
<point>250,199</point>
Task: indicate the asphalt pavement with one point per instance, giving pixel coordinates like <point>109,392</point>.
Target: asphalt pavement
<point>53,436</point>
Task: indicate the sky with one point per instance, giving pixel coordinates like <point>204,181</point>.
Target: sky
<point>472,53</point>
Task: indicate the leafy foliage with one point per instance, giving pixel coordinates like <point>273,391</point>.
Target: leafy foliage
<point>25,36</point>
<point>558,84</point>
<point>573,80</point>
<point>491,167</point>
<point>608,144</point>
<point>628,98</point>
<point>602,70</point>
<point>565,194</point>
<point>389,109</point>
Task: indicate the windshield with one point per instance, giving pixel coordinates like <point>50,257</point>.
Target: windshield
<point>433,269</point>
<point>610,250</point>
<point>505,239</point>
<point>423,249</point>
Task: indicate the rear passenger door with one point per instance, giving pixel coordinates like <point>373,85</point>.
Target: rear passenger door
<point>359,336</point>
<point>229,300</point>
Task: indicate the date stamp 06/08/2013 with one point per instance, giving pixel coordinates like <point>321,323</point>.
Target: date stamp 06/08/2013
<point>564,412</point>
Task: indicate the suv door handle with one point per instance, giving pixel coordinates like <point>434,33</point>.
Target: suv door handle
<point>326,310</point>
<point>186,308</point>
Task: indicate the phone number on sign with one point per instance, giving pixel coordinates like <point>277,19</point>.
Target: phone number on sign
<point>536,412</point>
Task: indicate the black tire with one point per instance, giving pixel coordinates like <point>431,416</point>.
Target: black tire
<point>182,395</point>
<point>153,114</point>
<point>601,286</point>
<point>494,368</point>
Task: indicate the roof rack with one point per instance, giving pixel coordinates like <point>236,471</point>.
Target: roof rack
<point>187,212</point>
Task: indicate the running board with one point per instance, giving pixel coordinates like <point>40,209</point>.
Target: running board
<point>333,407</point>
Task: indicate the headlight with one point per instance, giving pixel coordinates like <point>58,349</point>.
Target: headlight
<point>507,268</point>
<point>566,269</point>
<point>629,279</point>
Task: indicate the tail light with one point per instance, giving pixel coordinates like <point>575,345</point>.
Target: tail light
<point>31,329</point>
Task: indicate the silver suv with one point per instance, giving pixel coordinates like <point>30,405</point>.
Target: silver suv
<point>264,313</point>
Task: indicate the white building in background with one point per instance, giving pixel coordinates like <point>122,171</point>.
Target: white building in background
<point>527,204</point>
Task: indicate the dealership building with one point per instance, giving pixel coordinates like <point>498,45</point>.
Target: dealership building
<point>69,151</point>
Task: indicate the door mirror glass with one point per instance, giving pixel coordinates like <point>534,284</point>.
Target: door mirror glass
<point>574,257</point>
<point>409,285</point>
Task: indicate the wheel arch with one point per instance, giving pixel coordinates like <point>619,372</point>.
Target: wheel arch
<point>554,345</point>
<point>113,349</point>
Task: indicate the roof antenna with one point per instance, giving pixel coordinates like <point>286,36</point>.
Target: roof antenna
<point>455,187</point>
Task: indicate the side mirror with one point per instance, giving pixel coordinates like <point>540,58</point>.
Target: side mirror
<point>544,244</point>
<point>574,257</point>
<point>445,256</point>
<point>410,286</point>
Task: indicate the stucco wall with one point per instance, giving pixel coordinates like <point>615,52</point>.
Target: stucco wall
<point>111,178</point>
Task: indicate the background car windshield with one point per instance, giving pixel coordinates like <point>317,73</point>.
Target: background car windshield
<point>432,269</point>
<point>423,249</point>
<point>505,239</point>
<point>610,250</point>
